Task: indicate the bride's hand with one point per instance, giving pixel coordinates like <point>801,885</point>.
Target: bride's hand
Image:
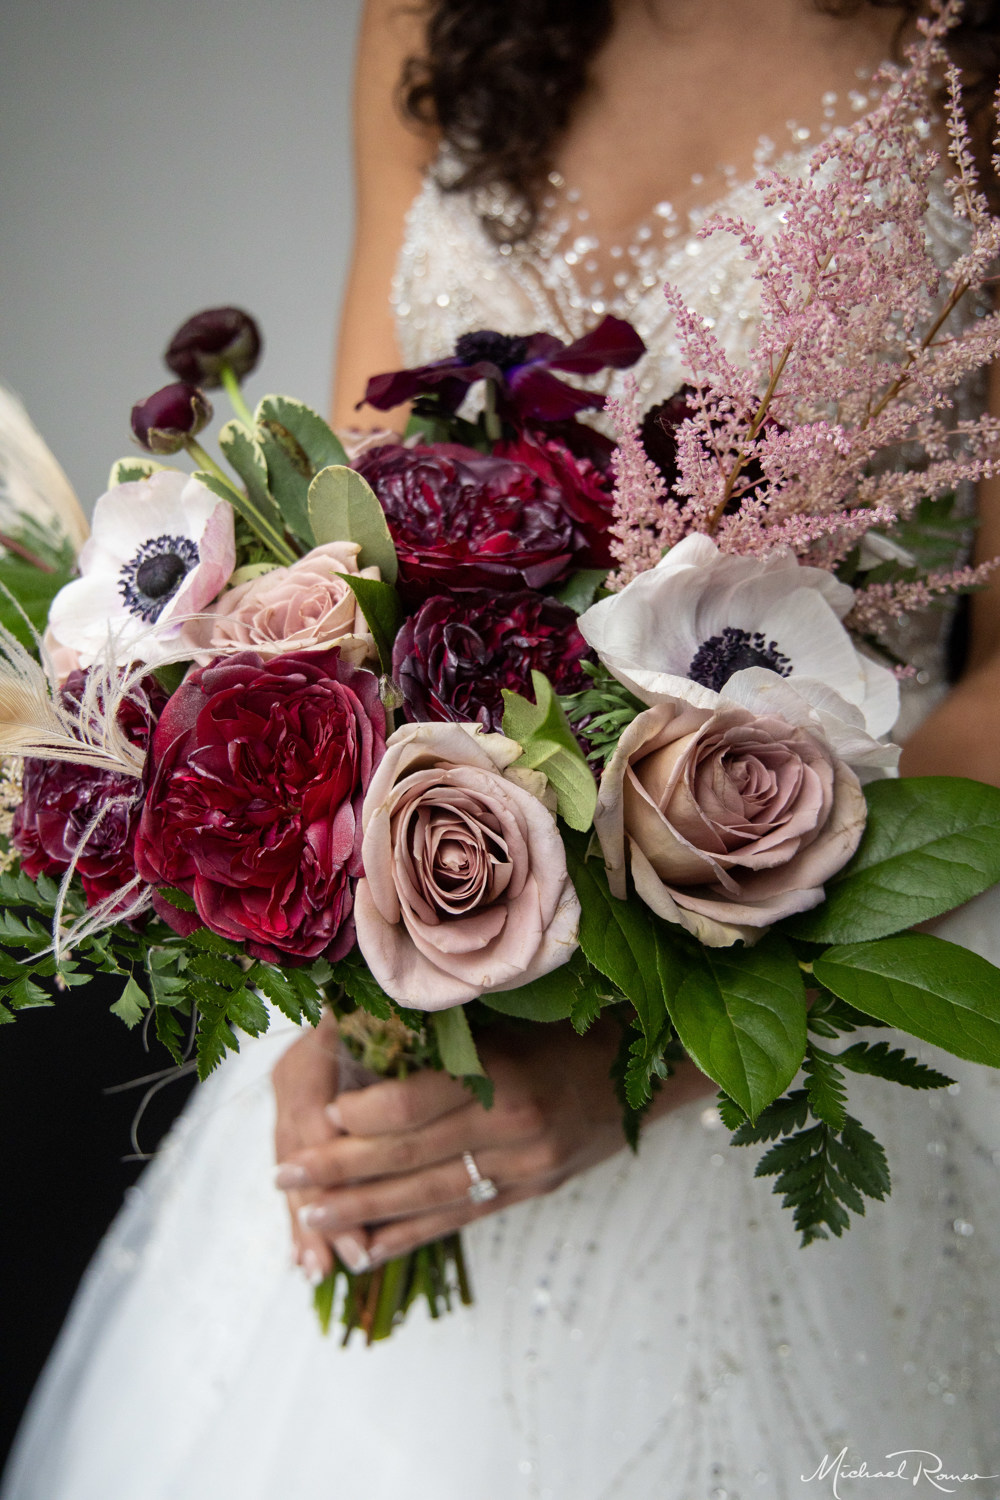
<point>390,1176</point>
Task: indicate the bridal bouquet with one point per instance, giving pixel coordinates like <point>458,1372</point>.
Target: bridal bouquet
<point>502,723</point>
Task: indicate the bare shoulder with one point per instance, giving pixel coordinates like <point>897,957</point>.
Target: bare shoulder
<point>391,155</point>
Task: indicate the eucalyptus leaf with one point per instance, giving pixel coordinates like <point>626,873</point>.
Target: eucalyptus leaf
<point>922,985</point>
<point>930,843</point>
<point>741,1015</point>
<point>550,746</point>
<point>343,507</point>
<point>455,1043</point>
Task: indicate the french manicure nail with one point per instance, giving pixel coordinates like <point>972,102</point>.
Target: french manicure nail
<point>353,1254</point>
<point>312,1267</point>
<point>317,1216</point>
<point>332,1112</point>
<point>289,1175</point>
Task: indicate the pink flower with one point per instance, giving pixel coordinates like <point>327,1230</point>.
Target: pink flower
<point>730,820</point>
<point>465,889</point>
<point>305,607</point>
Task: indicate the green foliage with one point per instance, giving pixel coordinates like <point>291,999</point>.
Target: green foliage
<point>930,843</point>
<point>262,527</point>
<point>581,589</point>
<point>383,612</point>
<point>575,991</point>
<point>246,456</point>
<point>134,467</point>
<point>343,507</point>
<point>296,444</point>
<point>877,1059</point>
<point>549,745</point>
<point>923,985</point>
<point>741,1015</point>
<point>455,1043</point>
<point>601,714</point>
<point>132,1004</point>
<point>28,591</point>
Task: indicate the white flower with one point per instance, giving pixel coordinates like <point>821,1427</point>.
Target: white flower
<point>161,548</point>
<point>685,627</point>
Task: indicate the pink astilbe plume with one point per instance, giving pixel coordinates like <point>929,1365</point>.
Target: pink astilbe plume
<point>878,606</point>
<point>844,417</point>
<point>647,520</point>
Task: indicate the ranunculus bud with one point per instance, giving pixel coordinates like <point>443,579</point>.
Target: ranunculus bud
<point>175,412</point>
<point>217,336</point>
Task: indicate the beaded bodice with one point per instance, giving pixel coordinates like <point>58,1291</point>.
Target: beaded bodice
<point>453,276</point>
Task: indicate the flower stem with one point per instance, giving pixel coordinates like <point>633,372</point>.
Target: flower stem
<point>205,461</point>
<point>491,419</point>
<point>232,388</point>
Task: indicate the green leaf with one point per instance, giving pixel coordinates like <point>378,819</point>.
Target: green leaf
<point>132,1004</point>
<point>624,941</point>
<point>455,1042</point>
<point>730,1113</point>
<point>930,843</point>
<point>177,898</point>
<point>316,442</point>
<point>128,470</point>
<point>26,995</point>
<point>876,1058</point>
<point>246,455</point>
<point>579,590</point>
<point>740,1013</point>
<point>547,999</point>
<point>343,507</point>
<point>784,1115</point>
<point>549,745</point>
<point>922,985</point>
<point>825,1088</point>
<point>247,1011</point>
<point>359,983</point>
<point>34,589</point>
<point>383,612</point>
<point>259,524</point>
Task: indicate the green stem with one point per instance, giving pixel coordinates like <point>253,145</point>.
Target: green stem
<point>205,461</point>
<point>19,550</point>
<point>491,419</point>
<point>389,1297</point>
<point>232,388</point>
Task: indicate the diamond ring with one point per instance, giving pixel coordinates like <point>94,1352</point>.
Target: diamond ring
<point>481,1189</point>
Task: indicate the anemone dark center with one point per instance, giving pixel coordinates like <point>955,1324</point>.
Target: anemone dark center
<point>735,650</point>
<point>501,349</point>
<point>152,577</point>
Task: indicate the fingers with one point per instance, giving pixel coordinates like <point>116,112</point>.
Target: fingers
<point>398,1104</point>
<point>403,1235</point>
<point>416,1194</point>
<point>348,1158</point>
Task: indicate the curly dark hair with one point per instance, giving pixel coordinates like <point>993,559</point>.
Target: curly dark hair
<point>499,80</point>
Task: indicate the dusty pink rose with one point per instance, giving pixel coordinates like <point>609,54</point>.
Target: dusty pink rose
<point>465,889</point>
<point>304,607</point>
<point>730,820</point>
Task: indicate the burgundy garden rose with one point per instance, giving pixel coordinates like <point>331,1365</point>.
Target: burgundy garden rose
<point>254,809</point>
<point>453,658</point>
<point>213,338</point>
<point>730,820</point>
<point>586,491</point>
<point>163,421</point>
<point>465,888</point>
<point>463,519</point>
<point>65,803</point>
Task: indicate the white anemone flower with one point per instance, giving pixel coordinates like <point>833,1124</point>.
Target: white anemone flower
<point>685,627</point>
<point>161,549</point>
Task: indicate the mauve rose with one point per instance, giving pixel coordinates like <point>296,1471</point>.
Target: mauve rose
<point>465,889</point>
<point>63,800</point>
<point>454,657</point>
<point>730,820</point>
<point>260,770</point>
<point>462,519</point>
<point>305,607</point>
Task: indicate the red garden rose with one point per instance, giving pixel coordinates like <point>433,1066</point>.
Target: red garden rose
<point>454,657</point>
<point>464,519</point>
<point>586,491</point>
<point>64,802</point>
<point>260,769</point>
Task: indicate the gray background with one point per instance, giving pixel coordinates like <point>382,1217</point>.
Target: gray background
<point>156,158</point>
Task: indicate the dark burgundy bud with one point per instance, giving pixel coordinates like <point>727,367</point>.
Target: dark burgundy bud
<point>213,338</point>
<point>165,419</point>
<point>659,431</point>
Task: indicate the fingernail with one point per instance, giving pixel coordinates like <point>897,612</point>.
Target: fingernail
<point>332,1112</point>
<point>353,1254</point>
<point>290,1176</point>
<point>312,1266</point>
<point>317,1216</point>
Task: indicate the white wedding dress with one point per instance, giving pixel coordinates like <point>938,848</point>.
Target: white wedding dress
<point>650,1331</point>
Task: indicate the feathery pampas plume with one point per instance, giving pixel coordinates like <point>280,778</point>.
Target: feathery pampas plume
<point>32,484</point>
